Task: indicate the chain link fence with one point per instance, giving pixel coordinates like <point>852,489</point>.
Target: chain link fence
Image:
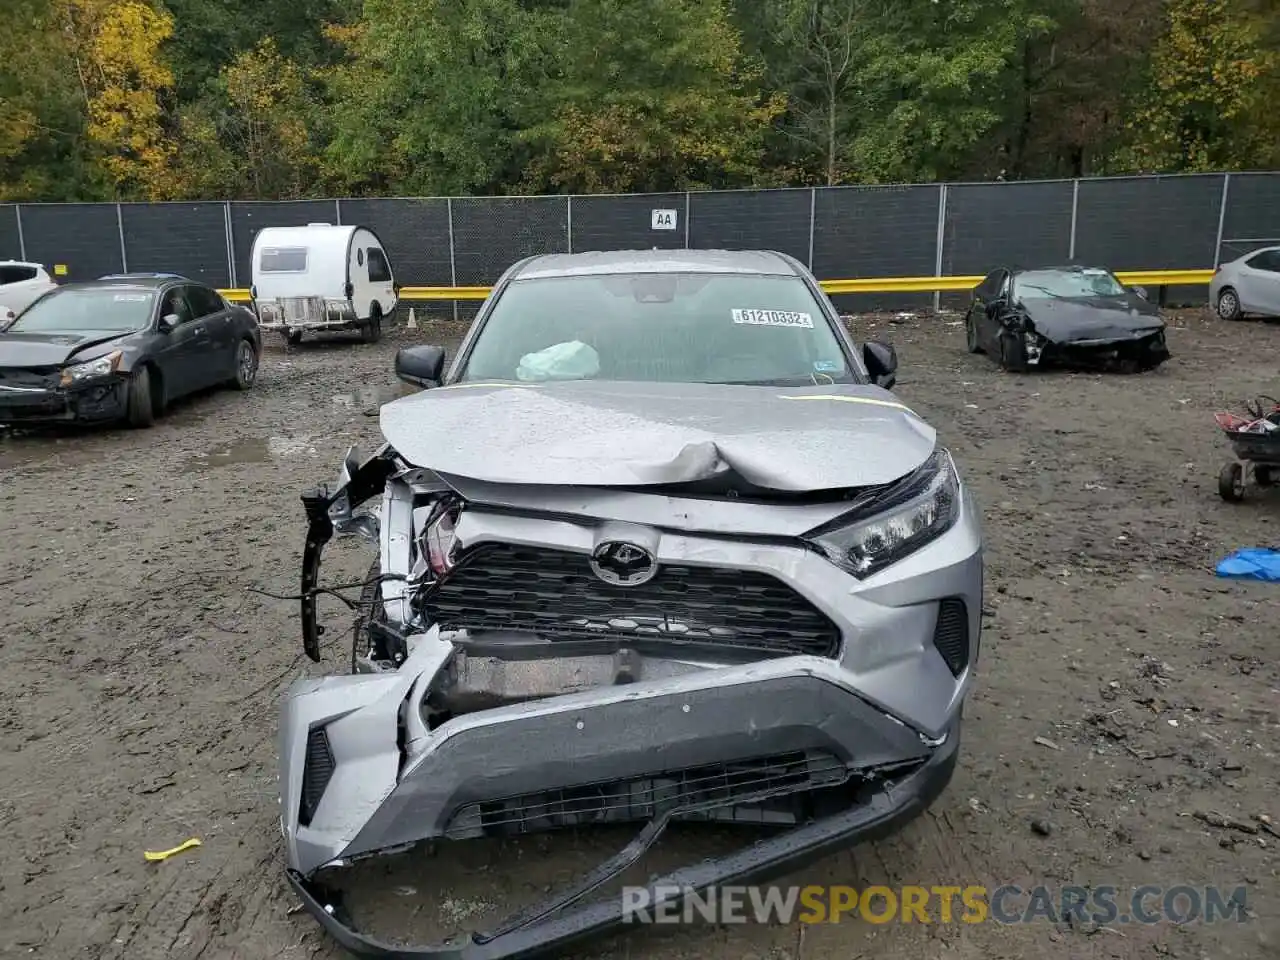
<point>1126,223</point>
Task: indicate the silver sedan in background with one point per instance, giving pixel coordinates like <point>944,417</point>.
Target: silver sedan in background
<point>1248,284</point>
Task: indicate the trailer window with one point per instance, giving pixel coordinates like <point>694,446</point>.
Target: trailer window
<point>283,260</point>
<point>379,269</point>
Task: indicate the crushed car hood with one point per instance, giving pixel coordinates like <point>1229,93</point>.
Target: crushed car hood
<point>595,433</point>
<point>1101,318</point>
<point>47,349</point>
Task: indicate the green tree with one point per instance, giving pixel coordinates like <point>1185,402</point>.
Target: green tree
<point>124,76</point>
<point>427,97</point>
<point>893,90</point>
<point>43,151</point>
<point>649,95</point>
<point>251,137</point>
<point>1209,78</point>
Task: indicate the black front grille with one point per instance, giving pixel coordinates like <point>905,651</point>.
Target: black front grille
<point>708,792</point>
<point>553,593</point>
<point>951,634</point>
<point>317,770</point>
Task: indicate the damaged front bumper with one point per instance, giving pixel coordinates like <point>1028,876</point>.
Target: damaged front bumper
<point>93,402</point>
<point>362,773</point>
<point>1144,350</point>
<point>456,734</point>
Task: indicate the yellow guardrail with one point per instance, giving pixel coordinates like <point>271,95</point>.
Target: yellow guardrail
<point>1137,278</point>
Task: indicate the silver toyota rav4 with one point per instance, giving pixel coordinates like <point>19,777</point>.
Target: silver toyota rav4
<point>660,545</point>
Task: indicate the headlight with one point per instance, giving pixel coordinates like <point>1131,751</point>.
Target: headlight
<point>909,515</point>
<point>102,367</point>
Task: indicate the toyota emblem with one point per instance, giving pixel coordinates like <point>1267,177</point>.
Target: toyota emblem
<point>623,564</point>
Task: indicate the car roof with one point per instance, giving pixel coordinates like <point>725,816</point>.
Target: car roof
<point>21,263</point>
<point>140,281</point>
<point>747,262</point>
<point>143,276</point>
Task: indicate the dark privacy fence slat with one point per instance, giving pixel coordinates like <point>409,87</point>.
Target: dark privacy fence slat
<point>83,236</point>
<point>979,234</point>
<point>490,234</point>
<point>1158,222</point>
<point>185,238</point>
<point>877,232</point>
<point>247,218</point>
<point>415,232</point>
<point>1253,214</point>
<point>10,239</point>
<point>750,220</point>
<point>1131,224</point>
<point>625,223</point>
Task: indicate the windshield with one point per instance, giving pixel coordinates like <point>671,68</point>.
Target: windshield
<point>109,310</point>
<point>661,328</point>
<point>1066,284</point>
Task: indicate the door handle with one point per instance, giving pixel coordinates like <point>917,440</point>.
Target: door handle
<point>199,330</point>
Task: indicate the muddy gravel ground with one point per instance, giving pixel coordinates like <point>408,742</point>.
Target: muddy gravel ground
<point>1123,730</point>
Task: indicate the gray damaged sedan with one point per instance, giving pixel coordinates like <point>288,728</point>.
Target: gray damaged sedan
<point>660,545</point>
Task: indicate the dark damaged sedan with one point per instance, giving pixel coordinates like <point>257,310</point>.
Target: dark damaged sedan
<point>121,348</point>
<point>1074,316</point>
<point>660,545</point>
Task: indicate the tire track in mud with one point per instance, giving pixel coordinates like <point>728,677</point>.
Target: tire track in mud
<point>139,680</point>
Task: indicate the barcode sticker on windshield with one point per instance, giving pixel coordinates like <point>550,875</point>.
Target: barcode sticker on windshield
<point>130,297</point>
<point>773,318</point>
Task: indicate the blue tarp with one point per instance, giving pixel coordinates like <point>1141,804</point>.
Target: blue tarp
<point>1254,563</point>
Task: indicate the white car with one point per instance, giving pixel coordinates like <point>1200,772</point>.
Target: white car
<point>1248,284</point>
<point>20,284</point>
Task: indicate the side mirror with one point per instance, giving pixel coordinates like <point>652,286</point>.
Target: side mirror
<point>421,366</point>
<point>882,363</point>
<point>397,287</point>
<point>1140,291</point>
<point>169,321</point>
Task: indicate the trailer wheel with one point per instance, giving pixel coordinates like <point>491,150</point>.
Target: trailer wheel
<point>1231,482</point>
<point>372,331</point>
<point>294,337</point>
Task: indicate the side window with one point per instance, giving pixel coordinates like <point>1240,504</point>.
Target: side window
<point>1006,284</point>
<point>1268,260</point>
<point>176,303</point>
<point>379,269</point>
<point>204,301</point>
<point>16,274</point>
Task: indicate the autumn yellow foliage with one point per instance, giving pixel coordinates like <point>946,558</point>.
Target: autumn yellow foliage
<point>116,48</point>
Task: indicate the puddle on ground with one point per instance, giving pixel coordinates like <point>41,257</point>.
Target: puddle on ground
<point>251,450</point>
<point>371,398</point>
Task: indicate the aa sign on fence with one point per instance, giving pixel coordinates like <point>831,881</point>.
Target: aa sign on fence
<point>663,219</point>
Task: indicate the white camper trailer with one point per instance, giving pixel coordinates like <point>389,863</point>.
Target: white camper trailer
<point>322,277</point>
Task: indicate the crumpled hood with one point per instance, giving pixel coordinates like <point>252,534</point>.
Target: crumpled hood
<point>48,349</point>
<point>1102,318</point>
<point>596,433</point>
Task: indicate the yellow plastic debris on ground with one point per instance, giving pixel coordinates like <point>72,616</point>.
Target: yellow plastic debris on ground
<point>166,854</point>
